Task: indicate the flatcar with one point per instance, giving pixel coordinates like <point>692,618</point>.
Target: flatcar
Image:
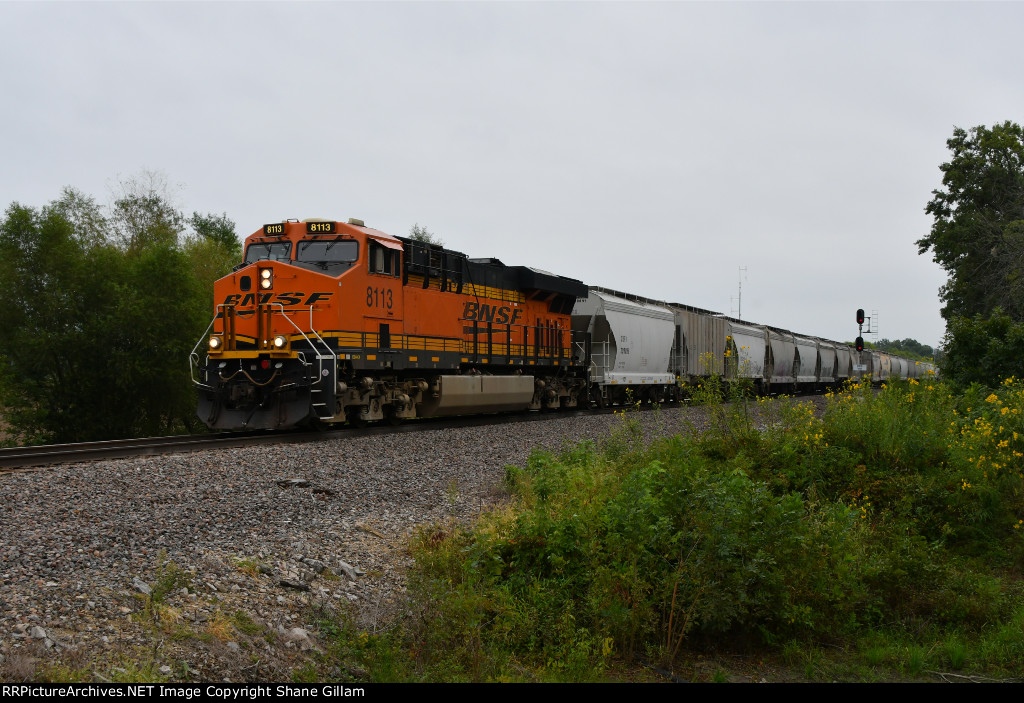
<point>328,322</point>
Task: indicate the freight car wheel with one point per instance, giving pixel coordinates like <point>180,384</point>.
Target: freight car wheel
<point>392,417</point>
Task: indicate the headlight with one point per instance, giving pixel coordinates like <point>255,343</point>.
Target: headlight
<point>266,278</point>
<point>280,341</point>
<point>215,343</point>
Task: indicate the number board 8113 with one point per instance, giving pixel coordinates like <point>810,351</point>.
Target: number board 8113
<point>380,298</point>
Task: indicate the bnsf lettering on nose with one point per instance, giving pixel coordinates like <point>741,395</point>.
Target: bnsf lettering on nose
<point>502,314</point>
<point>282,298</point>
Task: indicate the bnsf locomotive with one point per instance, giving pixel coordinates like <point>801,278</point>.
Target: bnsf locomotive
<point>328,322</point>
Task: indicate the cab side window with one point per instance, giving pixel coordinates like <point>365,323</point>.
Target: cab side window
<point>383,260</point>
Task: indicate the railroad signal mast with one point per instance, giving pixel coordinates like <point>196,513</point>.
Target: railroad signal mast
<point>860,328</point>
<point>861,366</point>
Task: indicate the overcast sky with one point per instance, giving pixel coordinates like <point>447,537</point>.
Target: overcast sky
<point>655,148</point>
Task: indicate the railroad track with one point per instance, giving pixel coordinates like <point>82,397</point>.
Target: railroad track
<point>14,458</point>
<point>27,458</point>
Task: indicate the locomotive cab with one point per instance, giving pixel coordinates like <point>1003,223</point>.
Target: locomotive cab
<point>267,363</point>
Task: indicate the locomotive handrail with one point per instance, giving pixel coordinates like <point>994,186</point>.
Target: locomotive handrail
<point>193,358</point>
<point>319,354</point>
<point>547,340</point>
<point>581,348</point>
<point>330,352</point>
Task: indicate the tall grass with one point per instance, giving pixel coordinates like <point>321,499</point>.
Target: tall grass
<point>900,512</point>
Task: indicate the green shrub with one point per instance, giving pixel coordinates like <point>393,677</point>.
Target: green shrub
<point>796,527</point>
<point>983,350</point>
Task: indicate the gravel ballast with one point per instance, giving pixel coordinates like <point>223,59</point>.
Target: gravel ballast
<point>264,538</point>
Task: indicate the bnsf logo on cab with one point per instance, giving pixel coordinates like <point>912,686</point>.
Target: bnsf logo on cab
<point>282,298</point>
<point>502,314</point>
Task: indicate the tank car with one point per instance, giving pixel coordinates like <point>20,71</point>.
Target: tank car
<point>327,322</point>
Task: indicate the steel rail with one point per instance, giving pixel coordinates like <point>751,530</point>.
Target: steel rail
<point>49,454</point>
<point>27,458</point>
<point>22,458</point>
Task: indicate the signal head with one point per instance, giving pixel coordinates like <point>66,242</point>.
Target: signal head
<point>860,316</point>
<point>860,344</point>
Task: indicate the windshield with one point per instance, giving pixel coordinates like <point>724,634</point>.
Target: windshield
<point>336,251</point>
<point>271,251</point>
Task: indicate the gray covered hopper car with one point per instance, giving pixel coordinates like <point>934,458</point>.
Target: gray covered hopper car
<point>641,349</point>
<point>630,349</point>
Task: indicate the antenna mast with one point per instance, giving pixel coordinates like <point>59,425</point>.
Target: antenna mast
<point>739,299</point>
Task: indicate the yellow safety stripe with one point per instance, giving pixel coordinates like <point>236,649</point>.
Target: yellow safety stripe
<point>369,340</point>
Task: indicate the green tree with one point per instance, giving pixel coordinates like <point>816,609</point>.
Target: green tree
<point>100,310</point>
<point>983,349</point>
<point>58,283</point>
<point>213,251</point>
<point>907,347</point>
<point>218,229</point>
<point>978,230</point>
<point>422,234</point>
<point>144,213</point>
<point>154,326</point>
